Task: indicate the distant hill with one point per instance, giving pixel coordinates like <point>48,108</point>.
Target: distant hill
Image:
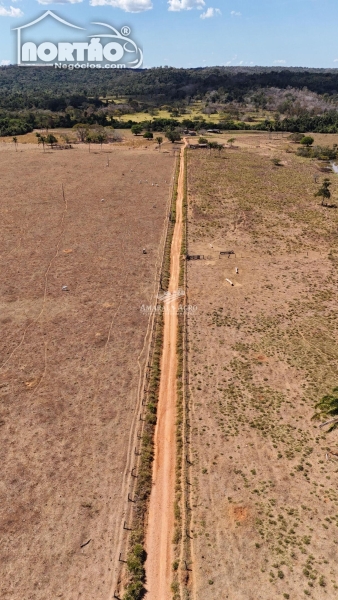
<point>54,89</point>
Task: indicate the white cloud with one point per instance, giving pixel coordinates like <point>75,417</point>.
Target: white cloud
<point>4,63</point>
<point>10,12</point>
<point>59,1</point>
<point>210,12</point>
<point>335,60</point>
<point>279,62</point>
<point>235,14</point>
<point>132,6</point>
<point>185,4</point>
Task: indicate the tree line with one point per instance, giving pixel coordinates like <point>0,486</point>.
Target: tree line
<point>51,89</point>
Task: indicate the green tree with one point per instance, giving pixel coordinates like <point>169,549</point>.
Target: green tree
<point>327,408</point>
<point>89,139</point>
<point>148,135</point>
<point>324,191</point>
<point>231,141</point>
<point>15,140</point>
<point>159,140</point>
<point>41,140</point>
<point>136,129</point>
<point>81,130</point>
<point>101,138</point>
<point>51,140</point>
<point>307,141</point>
<point>202,140</point>
<point>173,136</point>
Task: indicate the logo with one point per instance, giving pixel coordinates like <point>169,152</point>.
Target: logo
<point>71,48</point>
<point>168,304</point>
<point>170,297</point>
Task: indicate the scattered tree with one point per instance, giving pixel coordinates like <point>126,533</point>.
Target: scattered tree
<point>173,136</point>
<point>231,141</point>
<point>296,137</point>
<point>148,135</point>
<point>51,140</point>
<point>327,408</point>
<point>324,191</point>
<point>41,140</point>
<point>89,139</point>
<point>15,140</point>
<point>65,137</point>
<point>81,131</point>
<point>101,137</point>
<point>215,146</point>
<point>307,141</point>
<point>202,140</point>
<point>136,129</point>
<point>159,140</point>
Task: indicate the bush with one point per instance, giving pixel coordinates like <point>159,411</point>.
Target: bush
<point>135,566</point>
<point>148,135</point>
<point>175,565</point>
<point>134,591</point>
<point>296,137</point>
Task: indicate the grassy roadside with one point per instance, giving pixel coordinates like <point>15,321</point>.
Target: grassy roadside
<point>181,506</point>
<point>136,555</point>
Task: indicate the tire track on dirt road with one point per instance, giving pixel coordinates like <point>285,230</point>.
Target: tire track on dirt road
<point>161,507</point>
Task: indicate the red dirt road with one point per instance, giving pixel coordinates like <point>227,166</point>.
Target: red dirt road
<point>161,509</point>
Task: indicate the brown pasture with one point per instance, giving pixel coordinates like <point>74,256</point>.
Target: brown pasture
<point>71,359</point>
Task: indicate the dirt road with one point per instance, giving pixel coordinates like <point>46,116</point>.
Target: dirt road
<point>161,510</point>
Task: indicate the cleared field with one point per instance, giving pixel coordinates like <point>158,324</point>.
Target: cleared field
<point>262,352</point>
<point>71,360</point>
<point>127,140</point>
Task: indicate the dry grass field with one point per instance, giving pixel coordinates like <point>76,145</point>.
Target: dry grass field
<point>262,353</point>
<point>70,359</point>
<point>128,140</point>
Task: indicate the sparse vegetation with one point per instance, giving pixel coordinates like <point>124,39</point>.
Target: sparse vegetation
<point>262,353</point>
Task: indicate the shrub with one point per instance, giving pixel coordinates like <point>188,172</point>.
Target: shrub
<point>296,137</point>
<point>134,591</point>
<point>175,565</point>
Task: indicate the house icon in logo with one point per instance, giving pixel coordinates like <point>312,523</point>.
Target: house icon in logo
<point>48,13</point>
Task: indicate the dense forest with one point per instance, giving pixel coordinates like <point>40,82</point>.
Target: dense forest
<point>296,99</point>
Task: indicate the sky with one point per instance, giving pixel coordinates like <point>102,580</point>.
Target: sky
<point>197,33</point>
